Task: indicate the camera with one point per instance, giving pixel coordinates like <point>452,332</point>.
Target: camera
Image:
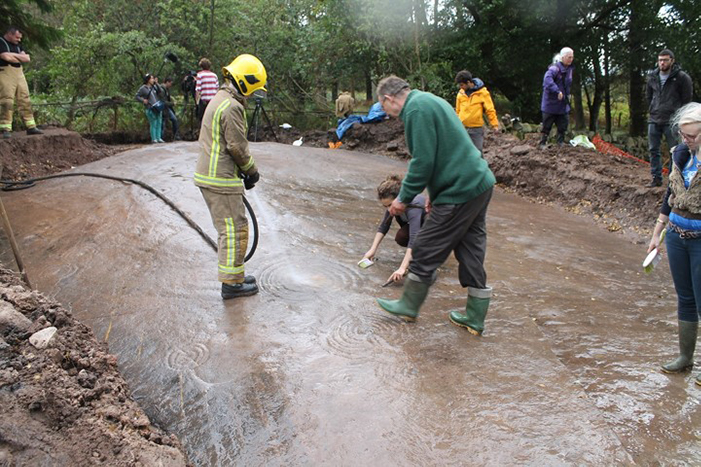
<point>187,85</point>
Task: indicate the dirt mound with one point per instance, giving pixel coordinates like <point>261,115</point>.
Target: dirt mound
<point>66,404</point>
<point>611,189</point>
<point>385,137</point>
<point>58,149</point>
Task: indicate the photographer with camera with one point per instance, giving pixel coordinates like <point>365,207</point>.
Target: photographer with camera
<point>169,110</point>
<point>147,96</point>
<point>225,167</point>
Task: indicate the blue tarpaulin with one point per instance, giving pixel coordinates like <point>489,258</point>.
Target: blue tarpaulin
<point>375,114</point>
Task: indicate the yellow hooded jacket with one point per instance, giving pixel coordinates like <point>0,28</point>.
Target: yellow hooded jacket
<point>470,108</point>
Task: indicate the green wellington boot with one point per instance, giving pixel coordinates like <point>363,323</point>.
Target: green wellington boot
<point>475,310</point>
<point>687,343</point>
<point>413,297</point>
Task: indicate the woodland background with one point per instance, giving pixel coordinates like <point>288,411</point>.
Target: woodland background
<point>92,54</point>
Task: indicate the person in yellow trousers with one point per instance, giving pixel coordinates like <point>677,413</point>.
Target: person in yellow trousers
<point>13,85</point>
<point>225,167</point>
<point>472,102</point>
<point>344,105</point>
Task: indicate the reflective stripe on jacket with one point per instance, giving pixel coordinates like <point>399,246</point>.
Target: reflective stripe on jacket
<point>471,108</point>
<point>223,144</point>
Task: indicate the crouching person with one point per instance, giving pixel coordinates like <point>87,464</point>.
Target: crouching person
<point>459,183</point>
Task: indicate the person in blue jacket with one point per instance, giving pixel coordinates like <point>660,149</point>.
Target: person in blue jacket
<point>555,103</point>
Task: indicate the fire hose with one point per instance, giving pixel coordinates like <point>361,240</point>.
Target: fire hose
<point>11,185</point>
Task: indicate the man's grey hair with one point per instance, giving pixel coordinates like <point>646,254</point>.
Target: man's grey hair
<point>391,86</point>
<point>690,113</point>
<point>563,52</point>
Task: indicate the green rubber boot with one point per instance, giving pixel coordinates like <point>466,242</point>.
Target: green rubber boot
<point>687,344</point>
<point>413,297</point>
<point>475,310</point>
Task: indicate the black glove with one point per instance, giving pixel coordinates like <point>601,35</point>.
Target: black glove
<point>249,181</point>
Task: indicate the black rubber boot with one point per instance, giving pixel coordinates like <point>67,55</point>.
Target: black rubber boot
<point>560,139</point>
<point>34,131</point>
<point>687,344</point>
<point>6,134</point>
<point>238,290</point>
<point>413,297</point>
<point>655,182</point>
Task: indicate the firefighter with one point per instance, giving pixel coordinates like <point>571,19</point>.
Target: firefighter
<point>225,167</point>
<point>13,84</point>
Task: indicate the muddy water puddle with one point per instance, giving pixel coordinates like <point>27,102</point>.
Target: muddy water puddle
<point>311,372</point>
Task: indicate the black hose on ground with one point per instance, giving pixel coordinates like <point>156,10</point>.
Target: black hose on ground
<point>10,185</point>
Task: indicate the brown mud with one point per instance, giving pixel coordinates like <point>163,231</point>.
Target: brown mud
<point>67,404</point>
<point>23,156</point>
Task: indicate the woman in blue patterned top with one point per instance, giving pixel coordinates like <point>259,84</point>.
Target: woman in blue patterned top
<point>681,212</point>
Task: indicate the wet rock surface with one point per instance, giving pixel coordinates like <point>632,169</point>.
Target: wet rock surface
<point>310,371</point>
<point>65,403</point>
<point>610,189</point>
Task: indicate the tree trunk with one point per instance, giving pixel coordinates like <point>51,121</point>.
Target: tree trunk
<point>636,81</point>
<point>368,86</point>
<point>578,104</point>
<point>607,90</point>
<point>417,47</point>
<point>599,88</point>
<point>71,113</point>
<point>334,91</point>
<point>211,28</point>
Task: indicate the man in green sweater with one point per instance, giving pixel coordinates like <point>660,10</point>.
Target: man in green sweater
<point>459,183</point>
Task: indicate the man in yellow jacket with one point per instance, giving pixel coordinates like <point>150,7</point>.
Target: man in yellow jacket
<point>225,167</point>
<point>472,102</point>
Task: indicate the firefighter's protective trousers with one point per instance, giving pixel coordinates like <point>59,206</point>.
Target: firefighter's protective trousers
<point>13,86</point>
<point>229,217</point>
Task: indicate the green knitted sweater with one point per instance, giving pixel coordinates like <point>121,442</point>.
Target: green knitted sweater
<point>443,158</point>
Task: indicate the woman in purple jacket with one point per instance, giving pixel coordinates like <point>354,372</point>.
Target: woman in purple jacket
<point>410,223</point>
<point>555,103</point>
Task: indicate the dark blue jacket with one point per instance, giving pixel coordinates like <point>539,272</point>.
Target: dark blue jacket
<point>557,79</point>
<point>663,101</point>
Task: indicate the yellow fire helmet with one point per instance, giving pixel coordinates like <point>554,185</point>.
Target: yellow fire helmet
<point>247,72</point>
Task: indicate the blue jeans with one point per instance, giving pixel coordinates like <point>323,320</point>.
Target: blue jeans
<point>168,112</point>
<point>685,265</point>
<point>654,136</point>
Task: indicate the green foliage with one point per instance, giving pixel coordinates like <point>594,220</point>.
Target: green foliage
<point>310,47</point>
<point>23,14</point>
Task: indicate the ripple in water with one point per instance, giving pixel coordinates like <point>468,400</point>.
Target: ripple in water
<point>303,278</point>
<point>374,341</point>
<point>352,335</point>
<point>188,359</point>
